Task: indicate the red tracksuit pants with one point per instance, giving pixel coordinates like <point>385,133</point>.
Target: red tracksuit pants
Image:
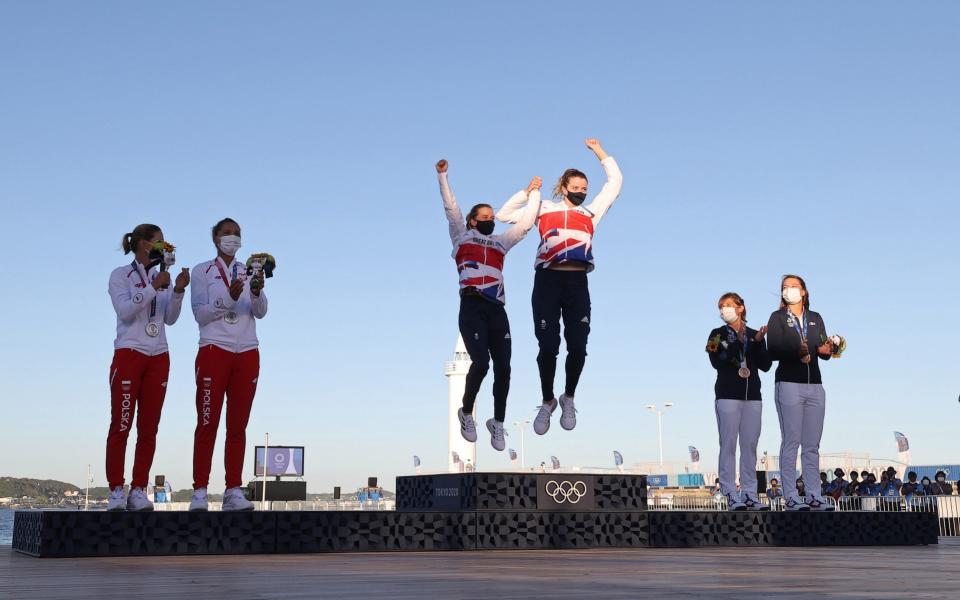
<point>219,373</point>
<point>138,384</point>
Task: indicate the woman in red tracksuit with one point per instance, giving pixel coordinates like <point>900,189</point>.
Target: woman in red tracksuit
<point>144,304</point>
<point>226,305</point>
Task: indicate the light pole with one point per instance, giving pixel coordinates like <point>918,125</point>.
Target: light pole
<point>520,425</point>
<point>660,411</point>
<point>86,498</point>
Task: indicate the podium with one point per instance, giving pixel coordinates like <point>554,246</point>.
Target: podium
<point>529,492</point>
<point>468,511</point>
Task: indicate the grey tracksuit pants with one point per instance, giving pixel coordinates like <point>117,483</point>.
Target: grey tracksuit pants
<point>738,419</point>
<point>801,407</point>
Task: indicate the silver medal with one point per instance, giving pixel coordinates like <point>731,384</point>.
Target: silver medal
<point>231,317</point>
<point>152,329</point>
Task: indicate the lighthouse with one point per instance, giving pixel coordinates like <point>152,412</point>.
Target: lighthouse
<point>456,372</point>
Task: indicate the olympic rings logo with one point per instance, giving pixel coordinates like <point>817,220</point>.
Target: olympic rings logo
<point>566,491</point>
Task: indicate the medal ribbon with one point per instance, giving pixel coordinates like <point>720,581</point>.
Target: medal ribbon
<point>797,324</point>
<point>223,274</point>
<point>743,346</point>
<point>153,303</point>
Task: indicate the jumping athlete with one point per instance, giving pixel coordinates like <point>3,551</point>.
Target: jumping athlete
<point>798,340</point>
<point>560,291</point>
<point>144,304</point>
<point>226,305</point>
<point>484,327</point>
<point>738,353</point>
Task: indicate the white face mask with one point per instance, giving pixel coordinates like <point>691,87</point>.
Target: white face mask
<point>791,295</point>
<point>229,244</point>
<point>728,314</point>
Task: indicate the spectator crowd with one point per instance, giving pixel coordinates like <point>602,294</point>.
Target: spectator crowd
<point>864,484</point>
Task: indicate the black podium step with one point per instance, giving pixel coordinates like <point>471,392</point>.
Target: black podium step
<point>66,533</point>
<point>553,492</point>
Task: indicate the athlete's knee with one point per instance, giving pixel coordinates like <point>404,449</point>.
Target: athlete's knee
<point>118,433</point>
<point>577,349</point>
<point>549,342</point>
<point>501,370</point>
<point>480,367</point>
<point>238,434</point>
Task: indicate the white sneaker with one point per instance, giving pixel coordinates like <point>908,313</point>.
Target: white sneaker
<point>734,504</point>
<point>795,504</point>
<point>137,501</point>
<point>117,500</point>
<point>496,434</point>
<point>541,424</point>
<point>233,500</point>
<point>568,414</point>
<point>468,429</point>
<point>753,503</point>
<point>820,504</point>
<point>199,501</point>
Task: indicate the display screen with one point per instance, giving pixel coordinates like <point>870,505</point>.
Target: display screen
<point>282,461</point>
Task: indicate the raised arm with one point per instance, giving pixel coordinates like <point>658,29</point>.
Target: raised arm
<point>527,217</point>
<point>450,208</point>
<point>611,189</point>
<point>513,209</point>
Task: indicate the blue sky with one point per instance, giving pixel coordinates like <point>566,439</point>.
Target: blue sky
<point>755,139</point>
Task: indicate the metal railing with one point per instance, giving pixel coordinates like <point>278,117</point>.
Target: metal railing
<point>290,505</point>
<point>947,508</point>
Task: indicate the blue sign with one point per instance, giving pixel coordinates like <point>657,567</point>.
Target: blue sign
<point>656,480</point>
<point>690,480</point>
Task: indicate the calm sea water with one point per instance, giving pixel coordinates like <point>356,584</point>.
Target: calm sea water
<point>6,526</point>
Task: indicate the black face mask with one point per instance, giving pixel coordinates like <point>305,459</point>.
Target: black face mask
<point>485,227</point>
<point>155,256</point>
<point>576,198</point>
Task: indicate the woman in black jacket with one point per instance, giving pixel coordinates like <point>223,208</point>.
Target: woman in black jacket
<point>738,353</point>
<point>798,340</point>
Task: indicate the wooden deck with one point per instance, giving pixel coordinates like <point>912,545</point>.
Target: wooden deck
<point>852,572</point>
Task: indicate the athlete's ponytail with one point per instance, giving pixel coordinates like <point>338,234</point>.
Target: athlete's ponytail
<point>564,179</point>
<point>141,232</point>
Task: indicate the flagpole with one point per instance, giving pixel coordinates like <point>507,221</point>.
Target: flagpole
<point>263,488</point>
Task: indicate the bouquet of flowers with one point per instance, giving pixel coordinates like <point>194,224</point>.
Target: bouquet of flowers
<point>713,344</point>
<point>260,264</point>
<point>838,344</point>
<point>164,253</point>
